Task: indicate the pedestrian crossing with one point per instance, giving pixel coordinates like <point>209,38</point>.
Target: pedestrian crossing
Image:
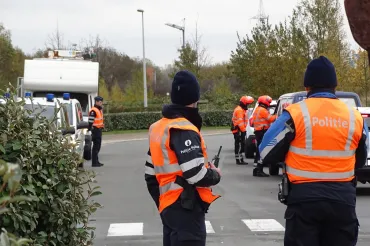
<point>215,227</point>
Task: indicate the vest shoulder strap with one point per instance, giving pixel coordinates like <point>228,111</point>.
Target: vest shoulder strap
<point>182,124</point>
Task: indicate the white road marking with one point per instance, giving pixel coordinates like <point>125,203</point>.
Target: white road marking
<point>137,229</point>
<point>126,229</point>
<point>209,227</point>
<point>264,225</point>
<point>123,140</point>
<point>141,139</point>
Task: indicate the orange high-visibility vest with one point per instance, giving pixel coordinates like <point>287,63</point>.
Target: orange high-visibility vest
<point>239,120</point>
<point>99,120</point>
<point>262,119</point>
<point>165,162</point>
<point>327,133</point>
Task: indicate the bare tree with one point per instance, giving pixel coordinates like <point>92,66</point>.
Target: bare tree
<point>203,59</point>
<point>55,40</point>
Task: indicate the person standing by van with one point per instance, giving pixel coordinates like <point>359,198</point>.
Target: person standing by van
<point>96,125</point>
<point>261,121</point>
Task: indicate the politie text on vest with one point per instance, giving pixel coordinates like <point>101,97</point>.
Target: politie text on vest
<point>191,148</point>
<point>329,122</point>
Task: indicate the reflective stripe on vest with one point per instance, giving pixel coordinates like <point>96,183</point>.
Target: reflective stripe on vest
<point>98,120</point>
<point>165,162</point>
<point>260,123</point>
<point>310,158</point>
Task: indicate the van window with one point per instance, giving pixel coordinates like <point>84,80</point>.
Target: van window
<point>63,116</point>
<point>44,111</point>
<point>81,97</point>
<point>69,112</point>
<point>79,110</point>
<point>75,112</point>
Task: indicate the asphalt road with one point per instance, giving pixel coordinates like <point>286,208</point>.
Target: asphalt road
<point>248,212</point>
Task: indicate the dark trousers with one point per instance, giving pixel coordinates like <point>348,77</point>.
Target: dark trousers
<point>96,134</point>
<point>239,140</point>
<point>183,227</point>
<point>259,135</point>
<point>321,223</point>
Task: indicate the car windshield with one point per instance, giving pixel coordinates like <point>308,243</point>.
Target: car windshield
<point>69,112</point>
<point>45,111</point>
<point>350,101</point>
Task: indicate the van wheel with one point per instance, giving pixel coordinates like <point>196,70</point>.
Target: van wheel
<point>273,169</point>
<point>249,148</point>
<point>87,148</point>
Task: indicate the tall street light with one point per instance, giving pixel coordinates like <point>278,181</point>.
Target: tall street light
<point>144,63</point>
<point>181,28</point>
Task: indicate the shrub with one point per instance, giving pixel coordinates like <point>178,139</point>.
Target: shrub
<point>9,184</point>
<point>50,173</point>
<point>142,120</point>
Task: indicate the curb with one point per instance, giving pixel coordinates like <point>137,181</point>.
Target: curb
<point>142,139</point>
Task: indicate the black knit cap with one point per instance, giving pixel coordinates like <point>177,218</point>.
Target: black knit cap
<point>185,88</point>
<point>320,73</point>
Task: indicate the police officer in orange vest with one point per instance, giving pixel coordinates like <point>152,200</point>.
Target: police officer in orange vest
<point>178,172</point>
<point>261,121</point>
<point>322,141</point>
<point>96,125</point>
<point>238,128</point>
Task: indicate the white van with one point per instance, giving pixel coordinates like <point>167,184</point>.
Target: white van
<point>59,74</point>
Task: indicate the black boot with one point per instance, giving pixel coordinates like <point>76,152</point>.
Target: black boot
<point>240,160</point>
<point>244,162</point>
<point>258,171</point>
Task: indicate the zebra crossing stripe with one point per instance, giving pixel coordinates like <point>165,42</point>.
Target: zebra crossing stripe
<point>209,227</point>
<point>263,225</point>
<point>126,229</point>
<point>137,229</point>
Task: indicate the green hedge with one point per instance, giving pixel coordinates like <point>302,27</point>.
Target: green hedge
<point>142,120</point>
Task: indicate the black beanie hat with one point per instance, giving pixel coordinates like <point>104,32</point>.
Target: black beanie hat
<point>185,88</point>
<point>320,73</point>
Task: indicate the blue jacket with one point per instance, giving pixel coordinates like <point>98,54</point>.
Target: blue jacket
<point>275,145</point>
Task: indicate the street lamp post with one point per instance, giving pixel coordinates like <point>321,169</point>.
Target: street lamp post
<point>144,63</point>
<point>181,28</point>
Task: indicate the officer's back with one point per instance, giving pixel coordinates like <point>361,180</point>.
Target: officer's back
<point>322,141</point>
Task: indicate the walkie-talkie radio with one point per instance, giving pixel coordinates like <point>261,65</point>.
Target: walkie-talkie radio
<point>217,157</point>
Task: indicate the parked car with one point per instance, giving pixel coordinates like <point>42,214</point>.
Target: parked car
<point>250,138</point>
<point>363,174</point>
<point>350,98</point>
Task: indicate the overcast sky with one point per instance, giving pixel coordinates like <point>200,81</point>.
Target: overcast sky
<point>119,23</point>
